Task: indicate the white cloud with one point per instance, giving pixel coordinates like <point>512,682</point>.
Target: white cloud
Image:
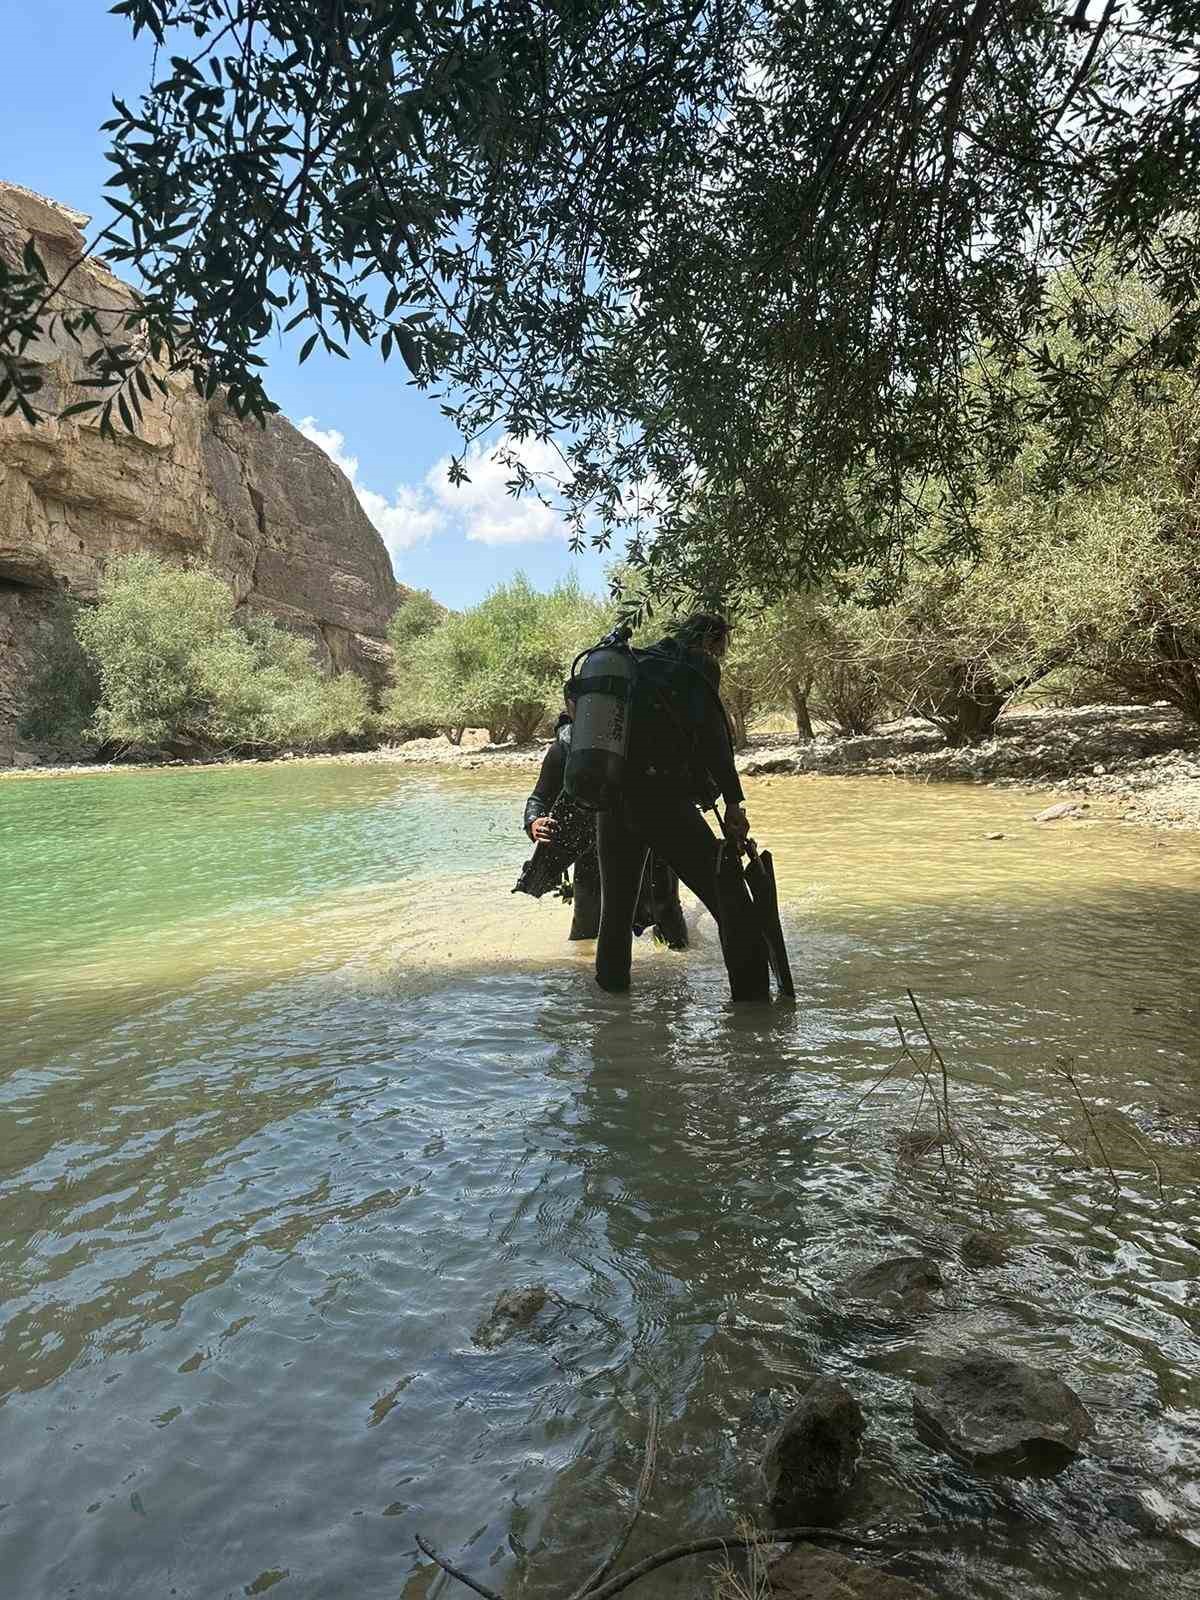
<point>405,520</point>
<point>485,510</point>
<point>482,510</point>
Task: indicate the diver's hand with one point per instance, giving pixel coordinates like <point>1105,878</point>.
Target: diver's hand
<point>737,825</point>
<point>543,829</point>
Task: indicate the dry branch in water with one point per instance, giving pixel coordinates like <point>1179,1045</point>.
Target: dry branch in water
<point>929,1071</point>
<point>596,1588</point>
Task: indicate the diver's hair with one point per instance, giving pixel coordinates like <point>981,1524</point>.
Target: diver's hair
<point>701,628</point>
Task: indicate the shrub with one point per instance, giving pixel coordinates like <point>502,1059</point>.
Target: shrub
<point>176,667</point>
<point>417,615</point>
<point>848,688</point>
<point>499,665</point>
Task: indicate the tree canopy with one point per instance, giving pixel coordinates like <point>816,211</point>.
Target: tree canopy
<point>709,248</point>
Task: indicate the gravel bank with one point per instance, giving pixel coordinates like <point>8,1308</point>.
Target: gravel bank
<point>1138,763</point>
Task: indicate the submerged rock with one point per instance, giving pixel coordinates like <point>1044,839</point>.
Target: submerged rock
<point>903,1284</point>
<point>809,1573</point>
<point>990,1409</point>
<point>514,1309</point>
<point>981,1248</point>
<point>811,1462</point>
<point>1064,808</point>
<point>1150,1513</point>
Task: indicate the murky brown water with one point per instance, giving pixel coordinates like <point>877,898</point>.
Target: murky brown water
<point>293,1088</point>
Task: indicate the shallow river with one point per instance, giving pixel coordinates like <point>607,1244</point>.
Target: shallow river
<point>293,1088</point>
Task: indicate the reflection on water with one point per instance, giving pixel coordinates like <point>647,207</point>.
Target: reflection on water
<point>294,1087</point>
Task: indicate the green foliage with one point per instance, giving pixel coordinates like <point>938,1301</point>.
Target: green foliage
<point>721,245</point>
<point>500,665</point>
<point>175,668</point>
<point>410,708</point>
<point>417,615</point>
<point>848,686</point>
<point>65,691</point>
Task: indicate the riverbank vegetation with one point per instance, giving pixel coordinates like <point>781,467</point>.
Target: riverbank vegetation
<point>499,665</point>
<point>164,661</point>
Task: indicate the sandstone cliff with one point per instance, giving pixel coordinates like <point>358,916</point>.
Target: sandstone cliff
<point>264,508</point>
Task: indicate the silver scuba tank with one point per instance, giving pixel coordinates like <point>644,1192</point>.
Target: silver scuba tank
<point>602,680</point>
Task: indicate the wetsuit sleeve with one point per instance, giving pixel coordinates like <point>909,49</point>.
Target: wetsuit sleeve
<point>717,751</point>
<point>549,785</point>
<point>714,744</point>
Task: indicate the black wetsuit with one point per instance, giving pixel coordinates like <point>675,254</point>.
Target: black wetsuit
<point>680,757</point>
<point>657,900</point>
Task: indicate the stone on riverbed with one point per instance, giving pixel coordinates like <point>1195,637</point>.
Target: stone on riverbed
<point>990,1409</point>
<point>811,1462</point>
<point>982,1248</point>
<point>809,1573</point>
<point>1064,808</point>
<point>903,1284</point>
<point>514,1309</point>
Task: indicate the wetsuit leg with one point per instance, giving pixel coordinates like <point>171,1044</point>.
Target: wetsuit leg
<point>622,856</point>
<point>675,830</point>
<point>585,918</point>
<point>669,924</point>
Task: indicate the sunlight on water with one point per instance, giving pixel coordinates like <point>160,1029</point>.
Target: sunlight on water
<point>294,1086</point>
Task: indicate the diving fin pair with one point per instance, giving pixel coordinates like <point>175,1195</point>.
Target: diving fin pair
<point>760,880</point>
<point>749,916</point>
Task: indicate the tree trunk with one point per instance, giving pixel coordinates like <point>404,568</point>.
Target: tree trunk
<point>455,734</point>
<point>799,693</point>
<point>525,722</point>
<point>498,734</point>
<point>965,715</point>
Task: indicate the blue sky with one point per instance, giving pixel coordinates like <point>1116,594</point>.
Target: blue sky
<point>61,62</point>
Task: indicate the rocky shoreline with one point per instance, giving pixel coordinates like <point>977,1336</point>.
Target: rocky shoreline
<point>1135,764</point>
<point>1139,764</point>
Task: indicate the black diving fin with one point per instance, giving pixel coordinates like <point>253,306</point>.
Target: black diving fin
<point>760,880</point>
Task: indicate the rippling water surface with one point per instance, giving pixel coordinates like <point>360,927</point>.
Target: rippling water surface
<point>293,1088</point>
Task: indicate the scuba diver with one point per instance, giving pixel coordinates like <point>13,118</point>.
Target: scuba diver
<point>657,905</point>
<point>678,759</point>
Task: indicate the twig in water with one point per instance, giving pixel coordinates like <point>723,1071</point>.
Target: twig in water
<point>1064,1066</point>
<point>1140,1144</point>
<point>456,1572</point>
<point>935,1053</point>
<point>694,1547</point>
<point>730,1541</point>
<point>641,1495</point>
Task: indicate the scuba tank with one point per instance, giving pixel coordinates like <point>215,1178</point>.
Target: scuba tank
<point>602,688</point>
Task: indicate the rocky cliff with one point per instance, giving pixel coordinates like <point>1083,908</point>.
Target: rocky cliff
<point>263,507</point>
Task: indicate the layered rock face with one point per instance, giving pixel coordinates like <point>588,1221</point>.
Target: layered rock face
<point>263,507</point>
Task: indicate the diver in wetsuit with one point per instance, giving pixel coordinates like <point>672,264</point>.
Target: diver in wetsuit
<point>657,904</point>
<point>680,759</point>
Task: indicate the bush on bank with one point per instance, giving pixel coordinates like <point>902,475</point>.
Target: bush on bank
<point>165,662</point>
<point>499,665</point>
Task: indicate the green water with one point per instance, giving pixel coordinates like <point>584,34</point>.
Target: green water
<point>293,1087</point>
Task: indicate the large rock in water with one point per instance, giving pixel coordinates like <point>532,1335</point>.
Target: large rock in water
<point>263,507</point>
<point>811,1462</point>
<point>1005,1413</point>
<point>902,1285</point>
